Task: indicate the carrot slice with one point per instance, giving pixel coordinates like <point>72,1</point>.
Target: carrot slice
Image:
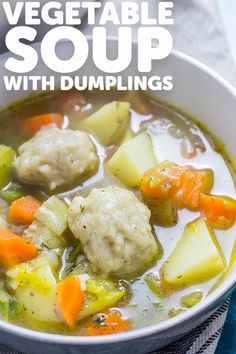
<point>22,210</point>
<point>14,249</point>
<point>181,183</point>
<point>220,211</point>
<point>70,297</point>
<point>30,126</point>
<point>192,183</point>
<point>162,181</point>
<point>109,322</point>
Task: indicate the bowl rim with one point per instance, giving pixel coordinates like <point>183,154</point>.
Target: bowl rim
<point>212,301</point>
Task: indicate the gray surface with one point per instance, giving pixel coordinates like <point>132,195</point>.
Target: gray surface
<point>201,30</point>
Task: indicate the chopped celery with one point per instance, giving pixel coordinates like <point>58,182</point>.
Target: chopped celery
<point>190,300</point>
<point>10,308</point>
<point>53,214</point>
<point>174,312</point>
<point>36,282</point>
<point>7,155</point>
<point>34,286</point>
<point>39,267</point>
<point>43,237</point>
<point>99,286</point>
<point>153,282</point>
<point>100,294</point>
<point>12,192</point>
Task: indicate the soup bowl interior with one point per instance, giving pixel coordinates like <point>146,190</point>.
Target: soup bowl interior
<point>203,94</point>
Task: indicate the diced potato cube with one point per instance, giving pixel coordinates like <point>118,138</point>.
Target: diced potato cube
<point>196,258</point>
<point>34,286</point>
<point>132,159</point>
<point>109,123</point>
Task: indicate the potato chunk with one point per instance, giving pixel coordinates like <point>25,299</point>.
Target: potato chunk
<point>132,159</point>
<point>196,258</point>
<point>34,286</point>
<point>109,123</point>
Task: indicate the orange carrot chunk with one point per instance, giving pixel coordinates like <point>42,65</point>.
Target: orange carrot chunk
<point>181,183</point>
<point>22,210</point>
<point>109,322</point>
<point>30,126</point>
<point>220,211</point>
<point>192,183</point>
<point>70,297</point>
<point>14,249</point>
<point>162,181</point>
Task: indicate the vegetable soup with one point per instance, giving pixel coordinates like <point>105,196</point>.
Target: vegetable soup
<point>116,212</point>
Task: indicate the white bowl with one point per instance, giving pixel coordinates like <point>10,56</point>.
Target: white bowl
<point>201,92</point>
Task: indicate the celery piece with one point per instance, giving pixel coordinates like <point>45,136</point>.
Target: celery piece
<point>7,155</point>
<point>99,287</point>
<point>190,300</point>
<point>36,282</point>
<point>12,192</point>
<point>174,312</point>
<point>100,294</point>
<point>39,267</point>
<point>10,308</point>
<point>153,282</point>
<point>53,214</point>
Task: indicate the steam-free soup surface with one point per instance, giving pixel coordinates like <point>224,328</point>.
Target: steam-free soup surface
<point>108,228</point>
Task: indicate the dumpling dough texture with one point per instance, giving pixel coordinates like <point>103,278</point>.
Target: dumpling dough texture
<point>113,227</point>
<point>55,157</point>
